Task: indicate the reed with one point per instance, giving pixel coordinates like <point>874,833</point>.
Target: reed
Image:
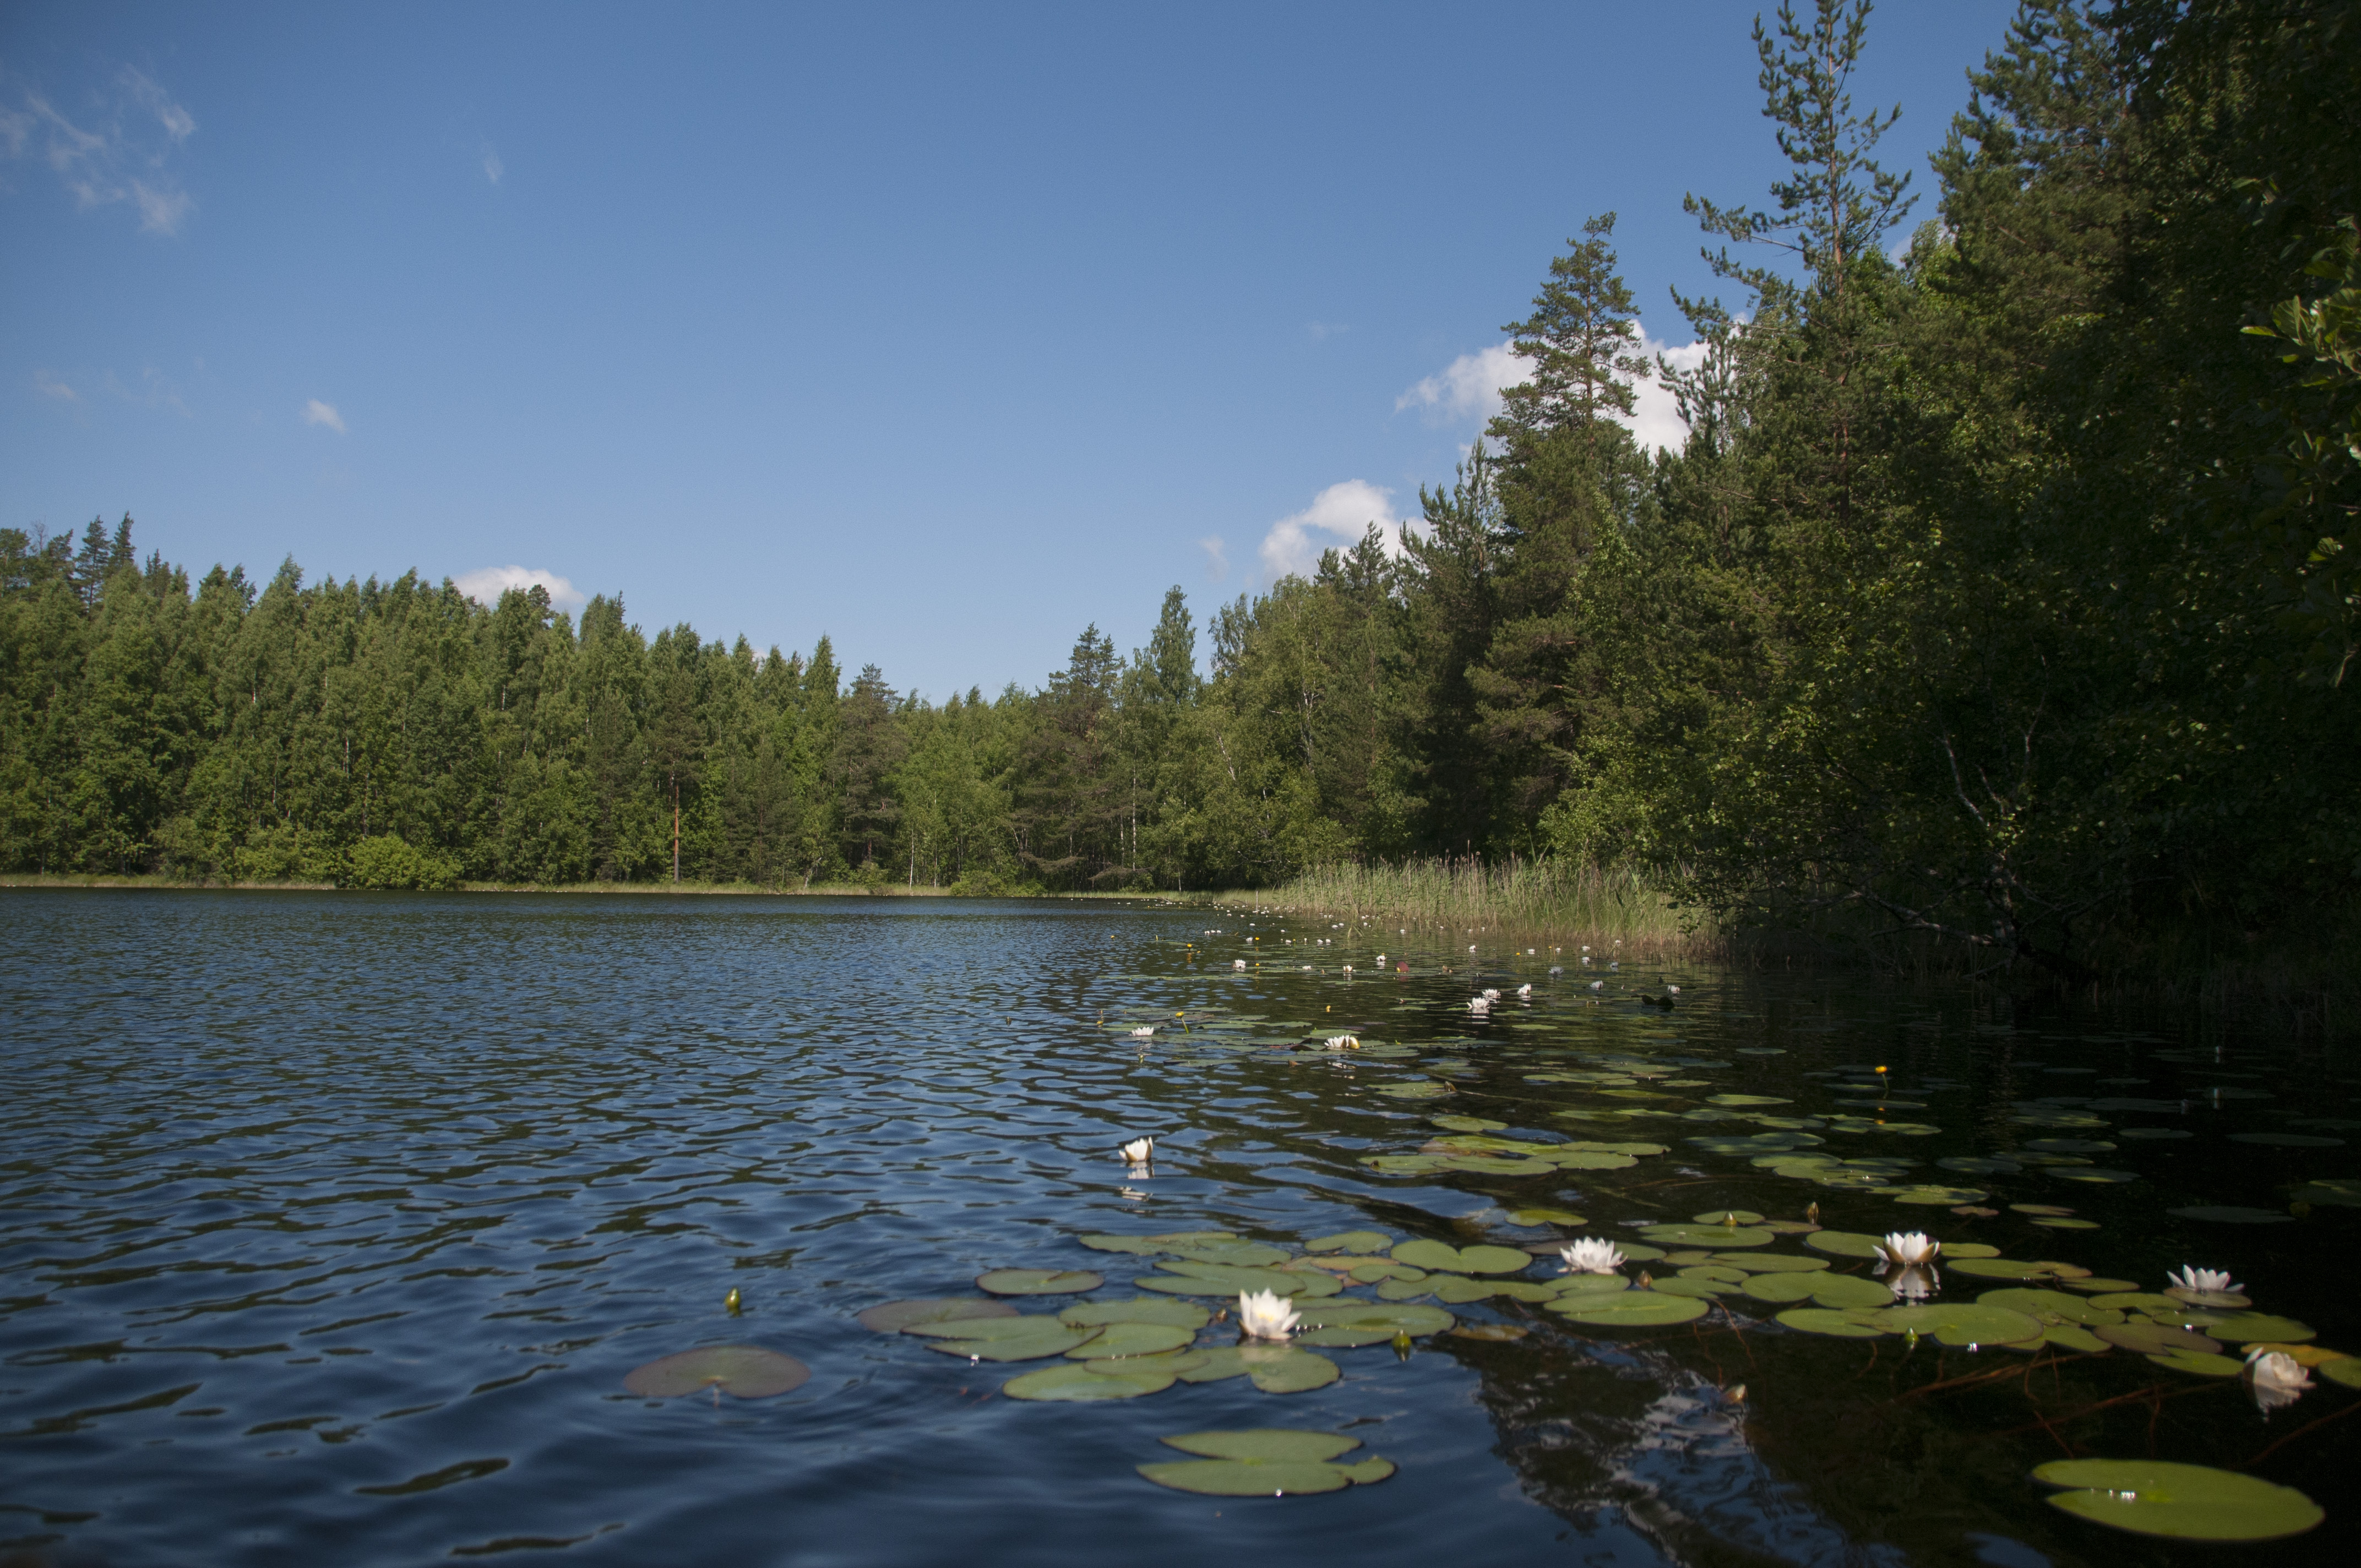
<point>1612,906</point>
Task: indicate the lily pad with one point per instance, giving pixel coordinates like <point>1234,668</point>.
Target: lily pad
<point>1347,1324</point>
<point>2096,1176</point>
<point>1122,1340</point>
<point>1242,1253</point>
<point>1424,1088</point>
<point>1843,1244</point>
<point>1545,1217</point>
<point>1496,1332</point>
<point>2134,1301</point>
<point>1040,1281</point>
<point>1846,1291</point>
<point>1477,1259</point>
<point>1962,1323</point>
<point>1084,1383</point>
<point>1268,1462</point>
<point>1462,1125</point>
<point>1746,1099</point>
<point>1769,1262</point>
<point>2068,1225</point>
<point>1034,1338</point>
<point>747,1371</point>
<point>2068,1336</point>
<point>1183,1278</point>
<point>2069,1145</point>
<point>2038,1208</point>
<point>1629,1309</point>
<point>2232,1214</point>
<point>2051,1307</point>
<point>1147,1246</point>
<point>2185,1502</point>
<point>894,1317</point>
<point>1141,1310</point>
<point>1836,1324</point>
<point>1588,1159</point>
<point>2156,1339</point>
<point>1458,1288</point>
<point>1708,1235</point>
<point>2204,1363</point>
<point>1356,1241</point>
<point>2000,1267</point>
<point>2344,1369</point>
<point>1788,1288</point>
<point>1728,1217</point>
<point>1942,1197</point>
<point>2097,1286</point>
<point>2153,1135</point>
<point>1273,1368</point>
<point>2243,1327</point>
<point>1969,1165</point>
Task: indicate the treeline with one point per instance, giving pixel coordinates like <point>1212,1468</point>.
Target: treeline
<point>2002,593</point>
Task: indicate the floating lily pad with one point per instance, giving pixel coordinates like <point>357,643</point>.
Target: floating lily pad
<point>2096,1176</point>
<point>1461,1125</point>
<point>894,1317</point>
<point>1496,1332</point>
<point>2051,1306</point>
<point>2068,1225</point>
<point>1705,1289</point>
<point>1265,1464</point>
<point>2243,1327</point>
<point>1942,1197</point>
<point>2134,1301</point>
<point>2337,1192</point>
<point>2070,1336</point>
<point>2000,1267</point>
<point>1351,1241</point>
<point>2232,1214</point>
<point>1708,1235</point>
<point>1242,1253</point>
<point>2038,1208</point>
<point>2097,1286</point>
<point>2344,1369</point>
<point>1821,1320</point>
<point>747,1371</point>
<point>1085,1383</point>
<point>1969,1165</point>
<point>1595,1146</point>
<point>1728,1217</point>
<point>1846,1291</point>
<point>1040,1281</point>
<point>1122,1340</point>
<point>1273,1368</point>
<point>1477,1259</point>
<point>1147,1246</point>
<point>1962,1323</point>
<point>2186,1502</point>
<point>2156,1339</point>
<point>1843,1244</point>
<point>1746,1099</point>
<point>1545,1217</point>
<point>1424,1089</point>
<point>1629,1309</point>
<point>2188,1297</point>
<point>2204,1363</point>
<point>2153,1135</point>
<point>1458,1288</point>
<point>1347,1324</point>
<point>1788,1288</point>
<point>1589,1159</point>
<point>1141,1310</point>
<point>1006,1339</point>
<point>2069,1145</point>
<point>1954,1251</point>
<point>1183,1278</point>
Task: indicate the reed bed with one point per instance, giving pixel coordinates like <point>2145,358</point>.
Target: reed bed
<point>1616,906</point>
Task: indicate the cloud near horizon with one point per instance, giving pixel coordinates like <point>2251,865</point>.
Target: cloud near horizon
<point>1337,516</point>
<point>486,584</point>
<point>1467,390</point>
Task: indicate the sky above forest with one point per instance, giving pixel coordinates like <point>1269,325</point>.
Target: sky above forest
<point>941,330</point>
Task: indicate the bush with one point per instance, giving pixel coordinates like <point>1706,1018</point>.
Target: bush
<point>389,861</point>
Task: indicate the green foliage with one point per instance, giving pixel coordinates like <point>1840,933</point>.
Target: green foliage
<point>387,862</point>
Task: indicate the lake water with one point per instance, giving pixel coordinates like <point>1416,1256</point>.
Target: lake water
<point>330,1227</point>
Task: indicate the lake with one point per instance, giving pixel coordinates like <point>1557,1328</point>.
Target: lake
<point>331,1226</point>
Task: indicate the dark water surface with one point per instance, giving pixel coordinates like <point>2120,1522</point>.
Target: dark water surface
<point>330,1226</point>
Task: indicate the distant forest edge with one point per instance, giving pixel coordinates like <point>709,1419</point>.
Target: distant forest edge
<point>2003,597</point>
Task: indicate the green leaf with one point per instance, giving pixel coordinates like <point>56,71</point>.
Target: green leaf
<point>895,1316</point>
<point>2186,1502</point>
<point>1040,1281</point>
<point>746,1371</point>
<point>1084,1384</point>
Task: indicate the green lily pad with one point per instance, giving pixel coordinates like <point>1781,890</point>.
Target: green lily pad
<point>1942,1196</point>
<point>1424,1088</point>
<point>1040,1281</point>
<point>2156,1339</point>
<point>1087,1383</point>
<point>2204,1363</point>
<point>2068,1225</point>
<point>1462,1125</point>
<point>1968,1166</point>
<point>1265,1443</point>
<point>1183,1278</point>
<point>2100,1286</point>
<point>1458,1288</point>
<point>2069,1145</point>
<point>1786,1288</point>
<point>2185,1502</point>
<point>1843,1244</point>
<point>1769,1262</point>
<point>1727,1218</point>
<point>894,1317</point>
<point>1708,1235</point>
<point>1962,1323</point>
<point>1273,1368</point>
<point>1587,1285</point>
<point>1496,1332</point>
<point>1347,1324</point>
<point>1147,1246</point>
<point>2134,1300</point>
<point>1265,1464</point>
<point>1746,1100</point>
<point>1385,1268</point>
<point>1955,1251</point>
<point>2232,1214</point>
<point>1353,1241</point>
<point>2067,1337</point>
<point>1405,1164</point>
<point>1836,1324</point>
<point>746,1371</point>
<point>1545,1217</point>
<point>1122,1340</point>
<point>1241,1253</point>
<point>2000,1267</point>
<point>1141,1310</point>
<point>2242,1328</point>
<point>1006,1339</point>
<point>2344,1369</point>
<point>2153,1133</point>
<point>1629,1309</point>
<point>2096,1176</point>
<point>2337,1192</point>
<point>1588,1159</point>
<point>1713,1274</point>
<point>1843,1293</point>
<point>2051,1306</point>
<point>1595,1146</point>
<point>1705,1289</point>
<point>1478,1259</point>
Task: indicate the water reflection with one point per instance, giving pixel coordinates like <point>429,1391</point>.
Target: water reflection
<point>335,1222</point>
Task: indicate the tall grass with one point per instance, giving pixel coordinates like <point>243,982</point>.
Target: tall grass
<point>1562,900</point>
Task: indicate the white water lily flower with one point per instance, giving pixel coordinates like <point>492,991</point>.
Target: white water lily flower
<point>1526,989</point>
<point>2277,1369</point>
<point>2214,1281</point>
<point>1143,1031</point>
<point>1490,994</point>
<point>1479,1004</point>
<point>1348,969</point>
<point>1139,1149</point>
<point>1912,1249</point>
<point>1672,991</point>
<point>1592,1256</point>
<point>1597,985</point>
<point>1237,963</point>
<point>1265,1314</point>
<point>1343,1042</point>
<point>1381,958</point>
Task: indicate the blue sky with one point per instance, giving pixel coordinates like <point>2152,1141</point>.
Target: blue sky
<point>943,330</point>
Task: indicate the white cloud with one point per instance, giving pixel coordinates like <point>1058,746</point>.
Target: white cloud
<point>48,386</point>
<point>486,585</point>
<point>319,413</point>
<point>1467,391</point>
<point>1217,559</point>
<point>493,166</point>
<point>1338,515</point>
<point>116,158</point>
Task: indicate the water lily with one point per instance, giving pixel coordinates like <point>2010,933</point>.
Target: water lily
<point>1237,963</point>
<point>1911,1249</point>
<point>1265,1314</point>
<point>1557,968</point>
<point>2275,1378</point>
<point>1144,1031</point>
<point>1597,985</point>
<point>1672,990</point>
<point>1592,1256</point>
<point>2211,1281</point>
<point>1915,1284</point>
<point>1525,990</point>
<point>1343,1042</point>
<point>1490,994</point>
<point>1479,1004</point>
<point>1139,1149</point>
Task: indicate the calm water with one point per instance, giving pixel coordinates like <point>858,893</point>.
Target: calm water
<point>331,1224</point>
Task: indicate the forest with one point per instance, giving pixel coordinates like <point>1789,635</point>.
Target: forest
<point>2003,594</point>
